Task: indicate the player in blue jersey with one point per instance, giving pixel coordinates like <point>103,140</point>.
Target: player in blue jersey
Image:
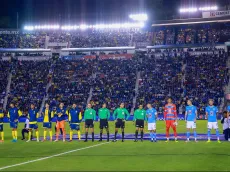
<point>151,115</point>
<point>190,118</point>
<point>211,114</point>
<point>33,116</point>
<point>13,114</point>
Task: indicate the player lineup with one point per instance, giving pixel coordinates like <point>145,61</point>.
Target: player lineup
<point>142,118</point>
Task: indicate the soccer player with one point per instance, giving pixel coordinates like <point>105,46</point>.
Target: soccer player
<point>170,116</point>
<point>60,113</point>
<point>139,117</point>
<point>190,118</point>
<point>1,124</point>
<point>33,116</point>
<point>151,114</point>
<point>48,114</point>
<point>13,115</point>
<point>90,117</point>
<point>104,115</point>
<point>75,118</point>
<point>119,117</point>
<point>211,114</point>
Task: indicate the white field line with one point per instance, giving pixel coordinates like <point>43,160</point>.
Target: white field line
<point>48,157</point>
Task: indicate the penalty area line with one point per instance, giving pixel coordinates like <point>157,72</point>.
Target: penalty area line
<point>48,157</point>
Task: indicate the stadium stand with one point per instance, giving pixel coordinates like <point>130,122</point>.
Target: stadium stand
<point>71,82</point>
<point>175,72</point>
<point>115,82</point>
<point>4,69</point>
<point>29,80</point>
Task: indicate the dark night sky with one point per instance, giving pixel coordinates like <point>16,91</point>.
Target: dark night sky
<point>90,11</point>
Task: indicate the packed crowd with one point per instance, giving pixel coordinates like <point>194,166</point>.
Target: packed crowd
<point>206,76</point>
<point>23,40</point>
<point>71,81</point>
<point>198,74</point>
<point>191,36</point>
<point>29,80</point>
<point>115,82</point>
<point>117,37</point>
<point>160,78</point>
<point>4,69</point>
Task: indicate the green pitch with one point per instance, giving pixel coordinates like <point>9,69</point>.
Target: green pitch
<point>127,156</point>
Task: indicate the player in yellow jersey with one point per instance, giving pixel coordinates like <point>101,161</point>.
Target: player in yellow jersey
<point>48,114</point>
<point>33,117</point>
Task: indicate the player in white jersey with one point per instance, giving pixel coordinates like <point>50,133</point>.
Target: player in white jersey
<point>211,114</point>
<point>151,115</point>
<point>190,118</point>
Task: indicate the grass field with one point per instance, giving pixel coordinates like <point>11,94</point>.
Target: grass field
<point>127,156</point>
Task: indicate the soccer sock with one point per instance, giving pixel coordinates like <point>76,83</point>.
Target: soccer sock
<point>79,135</point>
<point>44,137</point>
<point>155,136</point>
<point>195,135</point>
<point>29,138</point>
<point>71,135</point>
<point>217,134</point>
<point>151,135</point>
<point>92,136</point>
<point>209,133</point>
<point>100,135</point>
<point>188,135</point>
<point>13,134</point>
<point>37,135</point>
<point>167,132</point>
<point>51,135</point>
<point>64,133</point>
<point>123,135</point>
<point>2,135</point>
<point>115,135</point>
<point>57,133</point>
<point>86,135</point>
<point>142,134</point>
<point>16,134</point>
<point>107,135</point>
<point>136,134</point>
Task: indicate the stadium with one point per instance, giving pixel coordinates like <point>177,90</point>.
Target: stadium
<point>112,85</point>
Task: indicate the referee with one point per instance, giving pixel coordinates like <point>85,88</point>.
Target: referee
<point>104,116</point>
<point>139,117</point>
<point>119,117</point>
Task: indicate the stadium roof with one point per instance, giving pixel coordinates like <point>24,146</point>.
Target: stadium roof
<point>19,50</point>
<point>191,21</point>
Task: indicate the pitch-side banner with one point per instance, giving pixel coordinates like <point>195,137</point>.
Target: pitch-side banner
<point>212,14</point>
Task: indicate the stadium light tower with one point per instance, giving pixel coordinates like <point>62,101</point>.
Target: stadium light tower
<point>139,17</point>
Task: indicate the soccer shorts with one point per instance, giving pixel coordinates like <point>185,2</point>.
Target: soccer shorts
<point>120,123</point>
<point>151,126</point>
<point>104,123</point>
<point>33,126</point>
<point>191,124</point>
<point>140,123</point>
<point>14,125</point>
<point>47,125</point>
<point>89,123</point>
<point>60,124</point>
<point>170,123</point>
<point>74,126</point>
<point>212,125</point>
<point>1,127</point>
